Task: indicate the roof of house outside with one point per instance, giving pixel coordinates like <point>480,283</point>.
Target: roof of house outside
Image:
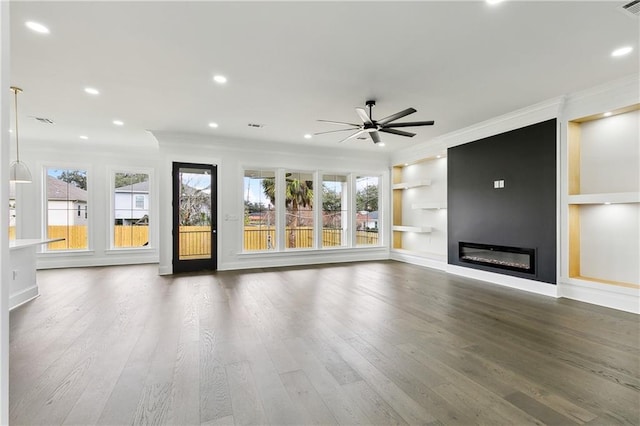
<point>60,190</point>
<point>367,215</point>
<point>136,187</point>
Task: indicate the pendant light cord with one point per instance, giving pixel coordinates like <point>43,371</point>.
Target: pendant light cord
<point>15,92</point>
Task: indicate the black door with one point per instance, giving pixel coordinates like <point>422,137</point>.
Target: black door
<point>194,217</point>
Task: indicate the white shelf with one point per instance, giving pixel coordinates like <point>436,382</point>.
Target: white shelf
<point>429,206</point>
<point>412,184</point>
<point>613,198</point>
<point>419,229</point>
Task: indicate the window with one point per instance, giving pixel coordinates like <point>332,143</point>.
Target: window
<point>367,219</point>
<point>259,210</point>
<point>130,210</point>
<point>67,208</point>
<point>335,215</point>
<point>12,213</point>
<point>299,210</point>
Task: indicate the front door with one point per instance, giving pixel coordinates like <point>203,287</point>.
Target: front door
<point>194,217</point>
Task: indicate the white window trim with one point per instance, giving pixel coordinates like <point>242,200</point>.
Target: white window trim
<point>45,204</point>
<point>111,172</point>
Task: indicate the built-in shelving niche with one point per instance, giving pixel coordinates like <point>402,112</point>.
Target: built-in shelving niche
<point>419,207</point>
<point>603,201</point>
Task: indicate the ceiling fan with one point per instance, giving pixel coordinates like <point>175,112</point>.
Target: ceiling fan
<point>372,127</point>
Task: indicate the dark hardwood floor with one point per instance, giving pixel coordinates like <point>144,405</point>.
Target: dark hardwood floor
<point>362,343</point>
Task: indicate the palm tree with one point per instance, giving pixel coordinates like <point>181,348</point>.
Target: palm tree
<point>298,194</point>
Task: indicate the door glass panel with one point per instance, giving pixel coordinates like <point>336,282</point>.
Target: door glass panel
<point>194,214</point>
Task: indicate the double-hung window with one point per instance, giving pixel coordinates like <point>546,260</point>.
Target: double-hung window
<point>130,209</point>
<point>67,208</point>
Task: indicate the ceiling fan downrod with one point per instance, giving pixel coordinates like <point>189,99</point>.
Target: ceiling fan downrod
<point>370,104</point>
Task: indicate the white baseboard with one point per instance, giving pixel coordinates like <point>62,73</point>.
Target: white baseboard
<point>23,297</point>
<point>43,262</point>
<point>165,270</point>
<point>426,260</point>
<point>531,286</point>
<point>610,296</point>
<point>282,259</point>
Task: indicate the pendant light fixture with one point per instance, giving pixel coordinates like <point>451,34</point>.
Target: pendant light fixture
<point>18,171</point>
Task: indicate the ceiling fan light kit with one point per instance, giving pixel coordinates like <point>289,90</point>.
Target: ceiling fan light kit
<point>373,127</point>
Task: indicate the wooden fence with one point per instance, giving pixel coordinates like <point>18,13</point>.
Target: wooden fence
<point>195,241</point>
<point>263,238</point>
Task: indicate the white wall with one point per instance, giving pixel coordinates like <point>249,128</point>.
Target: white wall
<point>610,154</point>
<point>232,157</point>
<point>4,195</point>
<point>609,245</point>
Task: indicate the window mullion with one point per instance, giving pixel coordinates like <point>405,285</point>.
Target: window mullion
<point>280,210</point>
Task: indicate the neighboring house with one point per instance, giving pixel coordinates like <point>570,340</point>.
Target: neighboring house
<point>366,220</point>
<point>131,204</point>
<point>66,203</point>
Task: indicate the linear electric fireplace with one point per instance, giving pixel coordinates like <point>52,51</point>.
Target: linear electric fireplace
<point>510,258</point>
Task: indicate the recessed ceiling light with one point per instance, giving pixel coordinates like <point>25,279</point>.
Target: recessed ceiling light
<point>307,136</point>
<point>607,203</point>
<point>91,91</point>
<point>381,144</point>
<point>622,51</point>
<point>406,164</point>
<point>118,123</point>
<point>220,79</point>
<point>37,27</point>
<point>213,125</point>
<point>83,137</point>
<point>494,1</point>
<point>607,114</point>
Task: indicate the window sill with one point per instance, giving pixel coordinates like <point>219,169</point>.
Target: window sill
<point>130,250</point>
<point>289,252</point>
<point>57,253</point>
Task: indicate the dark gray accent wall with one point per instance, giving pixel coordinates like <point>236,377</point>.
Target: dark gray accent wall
<point>523,213</point>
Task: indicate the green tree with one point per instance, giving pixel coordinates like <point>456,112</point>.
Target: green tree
<point>75,177</point>
<point>124,179</point>
<point>367,199</point>
<point>331,200</point>
<point>332,208</point>
<point>298,194</point>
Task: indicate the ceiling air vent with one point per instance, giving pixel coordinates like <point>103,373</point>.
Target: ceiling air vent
<point>631,9</point>
<point>257,126</point>
<point>44,120</point>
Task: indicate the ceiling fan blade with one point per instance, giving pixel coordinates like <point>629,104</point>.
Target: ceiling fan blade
<point>411,124</point>
<point>396,116</point>
<point>363,115</point>
<point>397,132</point>
<point>341,123</point>
<point>358,133</point>
<point>339,130</point>
<point>375,136</point>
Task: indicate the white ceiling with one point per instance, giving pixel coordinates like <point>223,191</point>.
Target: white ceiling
<point>291,63</point>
